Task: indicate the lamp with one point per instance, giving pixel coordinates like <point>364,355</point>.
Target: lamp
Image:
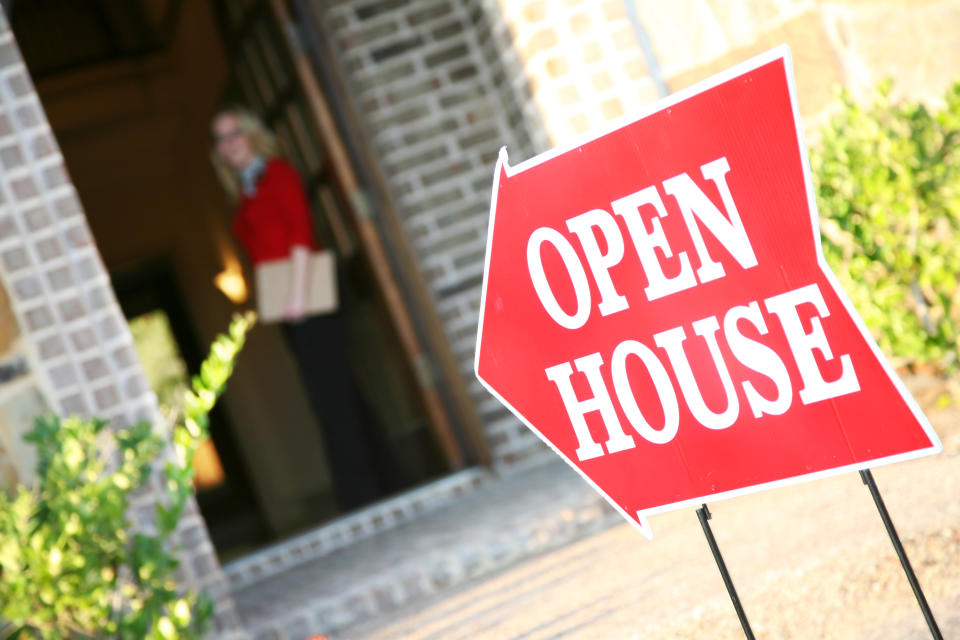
<point>230,281</point>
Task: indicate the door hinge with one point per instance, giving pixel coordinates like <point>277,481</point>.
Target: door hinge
<point>423,369</point>
<point>362,207</point>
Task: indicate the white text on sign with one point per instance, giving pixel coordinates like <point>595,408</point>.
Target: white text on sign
<point>729,231</point>
<point>694,205</point>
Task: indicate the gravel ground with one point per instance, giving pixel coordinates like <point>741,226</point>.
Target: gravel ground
<point>809,561</point>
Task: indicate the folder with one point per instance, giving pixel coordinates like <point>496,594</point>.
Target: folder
<point>273,286</point>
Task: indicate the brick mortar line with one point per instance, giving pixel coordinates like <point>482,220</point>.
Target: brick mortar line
<point>405,150</point>
<point>428,241</point>
<point>20,310</point>
<point>56,193</point>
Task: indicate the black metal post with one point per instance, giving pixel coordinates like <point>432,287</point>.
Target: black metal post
<point>703,513</point>
<point>867,478</point>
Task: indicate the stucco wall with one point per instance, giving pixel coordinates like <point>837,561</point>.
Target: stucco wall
<point>587,67</point>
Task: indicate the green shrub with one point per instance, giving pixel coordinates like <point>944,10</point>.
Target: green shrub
<point>68,566</point>
<point>887,176</point>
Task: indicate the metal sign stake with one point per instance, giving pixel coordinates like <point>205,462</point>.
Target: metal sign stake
<point>867,478</point>
<point>703,513</point>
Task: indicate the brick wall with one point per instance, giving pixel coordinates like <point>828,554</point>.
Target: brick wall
<point>61,308</point>
<point>442,84</point>
<point>440,89</point>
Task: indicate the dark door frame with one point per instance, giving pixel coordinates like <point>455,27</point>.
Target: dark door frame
<point>376,214</point>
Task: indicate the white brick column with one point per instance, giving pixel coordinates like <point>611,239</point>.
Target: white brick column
<point>76,338</point>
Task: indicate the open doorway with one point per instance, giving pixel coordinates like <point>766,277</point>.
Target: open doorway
<point>130,103</point>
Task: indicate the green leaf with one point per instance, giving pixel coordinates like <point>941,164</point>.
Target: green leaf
<point>888,184</point>
<point>64,541</point>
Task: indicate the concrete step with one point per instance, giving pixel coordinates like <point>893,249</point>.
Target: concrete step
<point>500,523</point>
<point>377,518</point>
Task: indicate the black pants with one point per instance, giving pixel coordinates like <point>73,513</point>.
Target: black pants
<point>319,346</point>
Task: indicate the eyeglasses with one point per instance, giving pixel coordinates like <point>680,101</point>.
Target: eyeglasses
<point>228,136</point>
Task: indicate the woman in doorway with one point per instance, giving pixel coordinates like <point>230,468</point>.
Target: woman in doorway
<point>272,222</point>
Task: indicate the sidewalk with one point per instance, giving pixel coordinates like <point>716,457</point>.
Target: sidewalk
<point>494,526</point>
<point>347,575</point>
<point>810,561</point>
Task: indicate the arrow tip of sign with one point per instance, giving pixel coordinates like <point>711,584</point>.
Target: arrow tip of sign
<point>643,526</point>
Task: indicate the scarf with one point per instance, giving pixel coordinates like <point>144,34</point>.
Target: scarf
<point>249,176</point>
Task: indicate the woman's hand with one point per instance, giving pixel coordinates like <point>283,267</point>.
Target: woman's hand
<point>296,308</point>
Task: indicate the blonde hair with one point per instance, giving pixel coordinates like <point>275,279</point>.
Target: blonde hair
<point>263,142</point>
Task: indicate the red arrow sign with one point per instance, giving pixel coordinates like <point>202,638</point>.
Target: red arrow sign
<point>656,307</point>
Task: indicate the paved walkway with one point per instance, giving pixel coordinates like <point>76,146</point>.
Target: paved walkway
<point>497,562</point>
<point>495,526</point>
<point>810,561</point>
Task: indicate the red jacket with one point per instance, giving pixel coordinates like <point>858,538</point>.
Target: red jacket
<point>277,217</point>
